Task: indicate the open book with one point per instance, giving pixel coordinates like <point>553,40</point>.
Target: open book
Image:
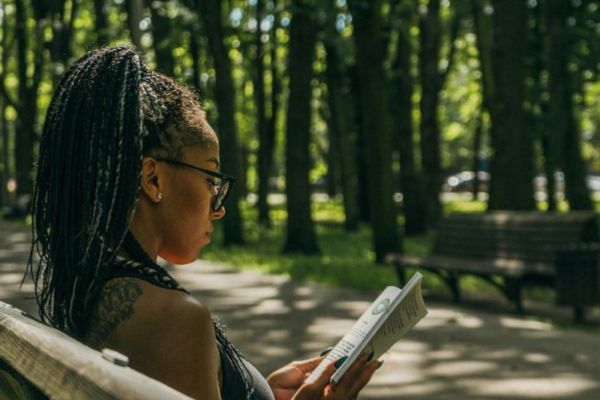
<point>390,316</point>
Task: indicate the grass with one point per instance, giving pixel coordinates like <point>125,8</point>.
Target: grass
<point>346,258</point>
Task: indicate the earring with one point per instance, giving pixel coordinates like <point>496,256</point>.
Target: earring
<point>159,195</point>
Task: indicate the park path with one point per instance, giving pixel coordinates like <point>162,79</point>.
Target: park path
<point>454,353</point>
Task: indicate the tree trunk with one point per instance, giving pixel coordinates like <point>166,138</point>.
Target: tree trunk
<point>27,103</point>
<point>5,164</point>
<point>563,128</point>
<point>484,34</point>
<point>162,37</point>
<point>511,185</point>
<point>339,130</point>
<point>429,57</point>
<point>301,236</point>
<point>376,120</point>
<point>134,16</point>
<point>264,140</point>
<point>101,26</point>
<point>364,212</point>
<point>210,12</point>
<point>402,91</point>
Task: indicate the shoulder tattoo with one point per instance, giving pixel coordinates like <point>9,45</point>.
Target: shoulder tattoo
<point>114,306</point>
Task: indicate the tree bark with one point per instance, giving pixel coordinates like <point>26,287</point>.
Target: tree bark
<point>5,168</point>
<point>402,91</point>
<point>210,12</point>
<point>134,16</point>
<point>27,103</point>
<point>355,104</point>
<point>100,24</point>
<point>429,57</point>
<point>511,185</point>
<point>301,236</point>
<point>562,126</point>
<point>376,120</point>
<point>342,134</point>
<point>265,141</point>
<point>162,37</point>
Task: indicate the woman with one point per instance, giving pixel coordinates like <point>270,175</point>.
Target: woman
<point>127,172</point>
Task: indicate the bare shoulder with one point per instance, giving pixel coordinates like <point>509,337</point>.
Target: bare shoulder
<point>167,334</point>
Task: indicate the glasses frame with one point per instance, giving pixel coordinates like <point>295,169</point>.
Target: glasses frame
<point>226,178</point>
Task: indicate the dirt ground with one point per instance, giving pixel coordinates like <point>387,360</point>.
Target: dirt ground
<point>456,352</point>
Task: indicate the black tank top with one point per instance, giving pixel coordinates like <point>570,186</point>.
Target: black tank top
<point>241,380</point>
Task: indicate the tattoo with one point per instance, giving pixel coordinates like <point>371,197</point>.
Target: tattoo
<point>114,306</point>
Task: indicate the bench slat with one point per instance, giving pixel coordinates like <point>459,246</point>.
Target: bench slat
<point>65,369</point>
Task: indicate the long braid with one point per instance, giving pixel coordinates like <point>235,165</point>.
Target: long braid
<point>85,195</point>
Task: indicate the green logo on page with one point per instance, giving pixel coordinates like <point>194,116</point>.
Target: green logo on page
<point>381,307</point>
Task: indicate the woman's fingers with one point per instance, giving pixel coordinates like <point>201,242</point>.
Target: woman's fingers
<point>307,366</point>
<point>359,372</point>
<point>316,389</point>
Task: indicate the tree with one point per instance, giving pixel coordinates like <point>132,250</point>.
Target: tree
<point>265,136</point>
<point>563,128</point>
<point>210,12</point>
<point>402,89</point>
<point>162,37</point>
<point>432,82</point>
<point>376,120</point>
<point>301,236</point>
<point>511,185</point>
<point>343,142</point>
<point>26,105</point>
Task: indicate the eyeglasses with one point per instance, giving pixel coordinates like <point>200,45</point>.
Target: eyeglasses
<point>223,187</point>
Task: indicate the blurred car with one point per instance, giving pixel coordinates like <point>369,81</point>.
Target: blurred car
<point>463,182</point>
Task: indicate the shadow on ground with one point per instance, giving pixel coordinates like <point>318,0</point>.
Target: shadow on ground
<point>454,353</point>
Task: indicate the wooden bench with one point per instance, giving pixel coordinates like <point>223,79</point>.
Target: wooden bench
<point>512,249</point>
<point>39,362</point>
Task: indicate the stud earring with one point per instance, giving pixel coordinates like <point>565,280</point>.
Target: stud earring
<point>159,195</point>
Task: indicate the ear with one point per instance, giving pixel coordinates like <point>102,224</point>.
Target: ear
<point>152,179</point>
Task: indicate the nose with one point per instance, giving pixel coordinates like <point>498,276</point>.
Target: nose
<point>218,214</point>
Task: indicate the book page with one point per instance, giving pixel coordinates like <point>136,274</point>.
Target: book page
<point>388,318</point>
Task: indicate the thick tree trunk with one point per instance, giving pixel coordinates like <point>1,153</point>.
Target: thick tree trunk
<point>339,130</point>
<point>355,101</point>
<point>429,57</point>
<point>564,139</point>
<point>210,12</point>
<point>376,119</point>
<point>27,107</point>
<point>402,91</point>
<point>162,37</point>
<point>301,236</point>
<point>134,16</point>
<point>512,166</point>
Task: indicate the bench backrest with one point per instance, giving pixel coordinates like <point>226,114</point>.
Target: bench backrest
<point>522,235</point>
<point>63,368</point>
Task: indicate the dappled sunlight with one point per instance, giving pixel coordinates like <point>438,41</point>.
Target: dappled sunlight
<point>566,386</point>
<point>453,353</point>
<point>458,368</point>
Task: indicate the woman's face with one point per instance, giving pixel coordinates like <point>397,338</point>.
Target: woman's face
<point>187,196</point>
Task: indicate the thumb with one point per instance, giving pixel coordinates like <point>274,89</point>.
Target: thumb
<point>309,365</point>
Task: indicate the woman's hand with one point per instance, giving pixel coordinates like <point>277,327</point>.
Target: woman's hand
<point>288,382</point>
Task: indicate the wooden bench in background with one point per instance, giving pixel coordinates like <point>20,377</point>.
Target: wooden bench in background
<point>513,249</point>
<point>39,362</point>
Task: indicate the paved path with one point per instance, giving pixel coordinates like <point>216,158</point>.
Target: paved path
<point>454,353</point>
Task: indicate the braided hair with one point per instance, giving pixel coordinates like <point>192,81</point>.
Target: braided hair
<point>106,114</point>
